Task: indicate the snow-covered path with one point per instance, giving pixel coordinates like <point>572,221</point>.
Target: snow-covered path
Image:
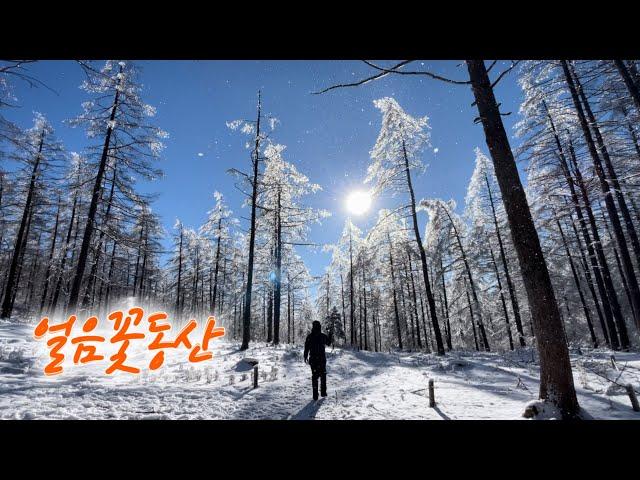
<point>362,385</point>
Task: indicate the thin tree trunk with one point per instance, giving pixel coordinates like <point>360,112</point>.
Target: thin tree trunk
<point>502,300</point>
<point>270,316</point>
<point>393,288</point>
<point>179,285</point>
<point>505,265</point>
<point>23,248</point>
<point>473,322</point>
<point>344,324</point>
<point>351,304</point>
<point>364,296</point>
<point>423,257</point>
<point>415,302</point>
<point>216,268</point>
<point>52,250</point>
<point>587,316</point>
<point>278,280</point>
<point>246,314</point>
<point>476,302</point>
<point>110,275</point>
<point>446,306</point>
<point>56,293</point>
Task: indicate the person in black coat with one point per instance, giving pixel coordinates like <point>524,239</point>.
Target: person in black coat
<point>314,355</point>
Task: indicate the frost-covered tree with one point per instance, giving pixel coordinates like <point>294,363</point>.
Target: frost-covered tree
<point>556,384</point>
<point>117,116</point>
<point>217,229</point>
<point>396,153</point>
<point>286,220</point>
<point>257,132</point>
<point>37,153</point>
<point>483,207</point>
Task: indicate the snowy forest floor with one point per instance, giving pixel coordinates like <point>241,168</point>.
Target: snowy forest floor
<point>361,385</point>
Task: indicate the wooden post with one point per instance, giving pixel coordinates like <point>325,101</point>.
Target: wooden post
<point>432,396</point>
<point>633,398</point>
<point>255,376</point>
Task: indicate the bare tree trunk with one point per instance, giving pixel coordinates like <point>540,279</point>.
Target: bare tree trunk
<point>138,254</point>
<point>502,300</point>
<point>23,248</point>
<point>411,310</point>
<point>288,309</point>
<point>32,272</point>
<point>270,316</point>
<point>446,306</point>
<point>179,285</point>
<point>216,268</point>
<point>278,280</point>
<point>473,322</point>
<point>364,296</point>
<point>393,288</point>
<point>585,309</point>
<point>56,293</point>
<point>110,275</point>
<point>427,338</point>
<point>351,304</point>
<point>415,300</point>
<point>52,250</point>
<point>344,324</point>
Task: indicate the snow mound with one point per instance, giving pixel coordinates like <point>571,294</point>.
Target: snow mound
<point>541,410</point>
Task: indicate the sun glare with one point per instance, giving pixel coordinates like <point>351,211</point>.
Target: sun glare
<point>358,202</point>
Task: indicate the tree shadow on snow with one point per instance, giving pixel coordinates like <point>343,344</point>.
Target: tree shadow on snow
<point>441,413</point>
<point>309,411</point>
<point>243,366</point>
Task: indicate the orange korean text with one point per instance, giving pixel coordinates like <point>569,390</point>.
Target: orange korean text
<point>150,334</point>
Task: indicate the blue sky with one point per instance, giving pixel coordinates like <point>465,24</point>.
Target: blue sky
<point>327,136</point>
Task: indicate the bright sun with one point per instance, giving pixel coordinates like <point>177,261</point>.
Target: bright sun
<point>358,202</point>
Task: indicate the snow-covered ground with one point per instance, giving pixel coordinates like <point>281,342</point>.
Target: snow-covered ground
<point>362,385</point>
